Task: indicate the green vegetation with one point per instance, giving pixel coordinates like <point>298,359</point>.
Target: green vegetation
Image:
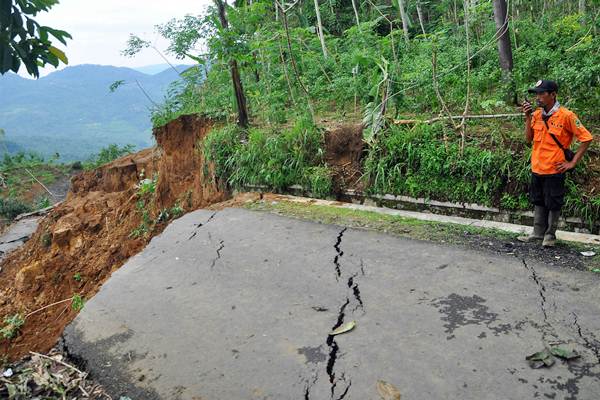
<point>108,154</point>
<point>145,193</point>
<point>22,173</point>
<point>401,226</point>
<point>12,326</point>
<point>11,207</point>
<point>77,302</point>
<point>372,65</point>
<point>149,220</point>
<point>370,60</point>
<point>277,159</point>
<point>147,186</point>
<point>19,174</point>
<point>414,162</point>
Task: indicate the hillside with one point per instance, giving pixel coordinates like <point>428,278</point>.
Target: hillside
<point>72,112</point>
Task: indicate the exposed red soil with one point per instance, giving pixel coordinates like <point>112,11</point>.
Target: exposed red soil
<point>89,234</point>
<point>344,148</point>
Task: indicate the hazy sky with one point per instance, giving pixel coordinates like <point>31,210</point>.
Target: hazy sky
<point>100,28</point>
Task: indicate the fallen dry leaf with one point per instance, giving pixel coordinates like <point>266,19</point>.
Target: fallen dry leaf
<point>387,391</point>
<point>344,328</point>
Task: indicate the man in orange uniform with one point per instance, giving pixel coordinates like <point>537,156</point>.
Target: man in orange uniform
<point>551,129</point>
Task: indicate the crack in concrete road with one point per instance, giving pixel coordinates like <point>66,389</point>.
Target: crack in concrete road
<point>356,291</point>
<point>571,385</point>
<point>541,288</point>
<point>214,260</point>
<point>303,302</point>
<point>592,344</point>
<point>334,347</point>
<point>309,385</point>
<point>339,254</point>
<point>331,342</point>
<point>345,392</point>
<point>21,239</point>
<point>200,225</point>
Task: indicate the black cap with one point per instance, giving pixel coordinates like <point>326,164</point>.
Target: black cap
<point>544,86</point>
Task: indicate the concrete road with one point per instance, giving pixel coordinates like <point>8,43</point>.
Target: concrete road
<point>17,234</point>
<point>238,304</point>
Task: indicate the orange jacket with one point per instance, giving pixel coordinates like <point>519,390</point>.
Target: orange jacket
<point>564,124</point>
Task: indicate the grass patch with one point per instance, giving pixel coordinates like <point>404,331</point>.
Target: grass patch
<point>273,158</point>
<point>396,225</point>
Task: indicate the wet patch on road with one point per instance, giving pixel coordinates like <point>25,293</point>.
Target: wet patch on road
<point>460,311</point>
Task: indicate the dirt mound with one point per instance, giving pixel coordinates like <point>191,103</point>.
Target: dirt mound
<point>343,153</point>
<point>84,239</point>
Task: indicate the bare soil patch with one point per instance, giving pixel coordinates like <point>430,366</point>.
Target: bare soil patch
<point>344,148</point>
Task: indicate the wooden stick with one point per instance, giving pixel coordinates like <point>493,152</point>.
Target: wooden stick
<point>48,306</point>
<point>58,361</point>
<point>44,186</point>
<point>83,391</point>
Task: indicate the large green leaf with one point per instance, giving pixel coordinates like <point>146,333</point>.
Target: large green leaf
<point>59,54</point>
<point>564,353</point>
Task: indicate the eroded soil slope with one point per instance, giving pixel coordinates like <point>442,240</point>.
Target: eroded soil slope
<point>344,149</point>
<point>84,239</point>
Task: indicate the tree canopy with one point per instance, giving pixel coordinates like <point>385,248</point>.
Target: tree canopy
<point>23,41</point>
<point>385,58</point>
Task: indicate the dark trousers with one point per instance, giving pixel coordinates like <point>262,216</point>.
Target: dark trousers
<point>548,191</point>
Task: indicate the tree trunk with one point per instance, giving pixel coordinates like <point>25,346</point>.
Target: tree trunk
<point>504,47</point>
<point>505,50</point>
<point>420,14</point>
<point>355,12</point>
<point>582,7</point>
<point>235,73</point>
<point>320,28</point>
<point>404,19</point>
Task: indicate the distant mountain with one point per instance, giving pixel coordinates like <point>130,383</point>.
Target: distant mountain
<point>72,111</point>
<point>156,68</point>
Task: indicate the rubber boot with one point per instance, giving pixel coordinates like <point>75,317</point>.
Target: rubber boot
<point>540,225</point>
<point>550,236</point>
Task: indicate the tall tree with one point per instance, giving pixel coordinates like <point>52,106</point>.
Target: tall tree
<point>504,47</point>
<point>404,17</point>
<point>235,73</point>
<point>420,14</point>
<point>320,28</point>
<point>355,12</point>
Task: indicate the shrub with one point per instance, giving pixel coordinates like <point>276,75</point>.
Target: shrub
<point>107,154</point>
<point>11,207</point>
